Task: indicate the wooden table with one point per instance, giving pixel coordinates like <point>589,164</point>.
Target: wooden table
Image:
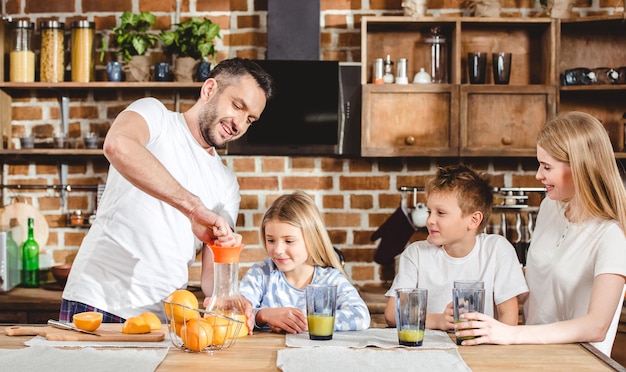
<point>259,352</point>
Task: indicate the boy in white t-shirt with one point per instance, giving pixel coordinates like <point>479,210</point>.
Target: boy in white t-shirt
<point>459,202</point>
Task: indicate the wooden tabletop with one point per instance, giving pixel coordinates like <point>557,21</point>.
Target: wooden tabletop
<point>259,351</point>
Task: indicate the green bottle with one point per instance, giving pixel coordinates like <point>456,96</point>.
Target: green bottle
<point>30,258</point>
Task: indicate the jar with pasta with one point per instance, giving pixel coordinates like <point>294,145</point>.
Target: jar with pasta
<point>21,55</point>
<point>51,60</point>
<point>82,50</point>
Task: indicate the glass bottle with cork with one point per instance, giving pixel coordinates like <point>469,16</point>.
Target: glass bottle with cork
<point>30,258</point>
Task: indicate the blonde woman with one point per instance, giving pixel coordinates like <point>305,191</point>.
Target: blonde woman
<point>576,265</point>
<point>300,253</point>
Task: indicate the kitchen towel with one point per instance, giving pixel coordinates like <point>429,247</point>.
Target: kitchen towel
<point>378,337</point>
<point>316,359</point>
<point>395,234</point>
<point>42,358</point>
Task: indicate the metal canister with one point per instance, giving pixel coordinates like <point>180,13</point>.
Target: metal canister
<point>401,71</point>
<point>83,62</point>
<point>378,71</point>
<point>51,66</point>
<point>22,55</point>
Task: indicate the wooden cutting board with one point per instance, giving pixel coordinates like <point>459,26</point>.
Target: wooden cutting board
<point>107,332</point>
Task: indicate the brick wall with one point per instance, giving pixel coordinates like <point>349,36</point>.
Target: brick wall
<point>355,195</point>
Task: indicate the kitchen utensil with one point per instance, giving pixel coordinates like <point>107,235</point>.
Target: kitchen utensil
<point>107,332</point>
<point>68,326</point>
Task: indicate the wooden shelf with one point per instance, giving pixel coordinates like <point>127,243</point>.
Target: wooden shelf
<point>101,85</point>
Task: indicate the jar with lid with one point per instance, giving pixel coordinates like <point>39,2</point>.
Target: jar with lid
<point>226,299</point>
<point>22,55</point>
<point>82,49</point>
<point>438,55</point>
<point>51,60</point>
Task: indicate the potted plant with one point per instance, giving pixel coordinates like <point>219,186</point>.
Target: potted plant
<point>132,39</point>
<point>192,42</point>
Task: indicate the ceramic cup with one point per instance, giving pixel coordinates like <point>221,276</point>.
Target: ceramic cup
<point>27,142</point>
<point>321,301</point>
<point>477,67</point>
<point>162,71</point>
<point>411,315</point>
<point>114,71</point>
<point>501,67</point>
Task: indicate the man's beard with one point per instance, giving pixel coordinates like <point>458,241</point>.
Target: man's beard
<point>207,123</point>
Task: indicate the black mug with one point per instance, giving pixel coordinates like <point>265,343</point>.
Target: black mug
<point>162,71</point>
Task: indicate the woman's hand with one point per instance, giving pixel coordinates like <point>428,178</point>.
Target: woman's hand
<point>486,329</point>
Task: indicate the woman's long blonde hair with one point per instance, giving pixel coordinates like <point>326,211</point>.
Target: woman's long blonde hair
<point>298,209</point>
<point>581,140</point>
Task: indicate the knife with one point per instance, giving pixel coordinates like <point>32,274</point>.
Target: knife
<point>61,325</point>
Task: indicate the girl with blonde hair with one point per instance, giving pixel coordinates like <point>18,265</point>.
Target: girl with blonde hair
<point>576,264</point>
<point>300,253</point>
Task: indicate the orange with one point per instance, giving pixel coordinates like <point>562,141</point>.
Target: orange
<point>152,319</point>
<point>87,321</point>
<point>219,321</point>
<point>219,334</point>
<point>179,313</point>
<point>135,324</point>
<point>197,334</point>
<point>176,327</point>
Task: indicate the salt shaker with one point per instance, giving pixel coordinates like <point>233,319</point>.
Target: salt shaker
<point>388,76</point>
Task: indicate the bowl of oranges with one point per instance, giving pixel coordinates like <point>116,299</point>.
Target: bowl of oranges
<point>194,329</point>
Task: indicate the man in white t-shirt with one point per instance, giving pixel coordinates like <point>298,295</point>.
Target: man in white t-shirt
<point>167,194</point>
<point>459,202</point>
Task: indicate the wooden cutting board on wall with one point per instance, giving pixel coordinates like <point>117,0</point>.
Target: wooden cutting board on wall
<point>107,332</point>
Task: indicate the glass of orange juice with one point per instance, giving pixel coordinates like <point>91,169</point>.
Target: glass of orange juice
<point>321,301</point>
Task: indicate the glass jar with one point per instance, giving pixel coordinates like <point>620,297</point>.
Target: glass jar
<point>51,60</point>
<point>22,55</point>
<point>83,62</point>
<point>438,56</point>
<point>226,299</point>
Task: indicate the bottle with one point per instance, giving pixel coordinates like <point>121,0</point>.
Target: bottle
<point>388,76</point>
<point>13,259</point>
<point>378,71</point>
<point>438,56</point>
<point>30,258</point>
<point>226,299</point>
<point>51,60</point>
<point>83,51</point>
<point>22,55</point>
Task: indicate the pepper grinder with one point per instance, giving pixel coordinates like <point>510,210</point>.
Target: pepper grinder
<point>388,76</point>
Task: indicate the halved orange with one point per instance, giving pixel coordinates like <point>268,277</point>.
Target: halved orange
<point>87,321</point>
<point>134,325</point>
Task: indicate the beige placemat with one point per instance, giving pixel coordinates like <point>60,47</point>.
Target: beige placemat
<point>42,341</point>
<point>385,338</point>
<point>316,359</point>
<point>43,358</point>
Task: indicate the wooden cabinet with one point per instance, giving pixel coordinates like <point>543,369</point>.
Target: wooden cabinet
<point>458,118</point>
<point>593,43</point>
<point>29,305</point>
